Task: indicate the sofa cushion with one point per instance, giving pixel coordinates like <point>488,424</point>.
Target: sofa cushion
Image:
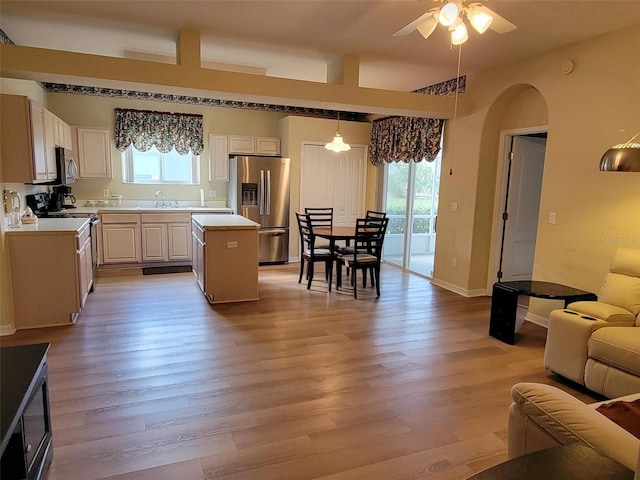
<point>621,290</point>
<point>618,347</point>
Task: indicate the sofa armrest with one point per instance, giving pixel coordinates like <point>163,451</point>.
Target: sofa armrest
<point>604,311</point>
<point>565,419</point>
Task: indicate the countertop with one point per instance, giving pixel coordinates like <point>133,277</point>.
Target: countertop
<point>225,222</point>
<point>50,225</point>
<point>155,210</point>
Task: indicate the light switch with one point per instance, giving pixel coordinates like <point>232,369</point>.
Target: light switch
<point>454,206</point>
<point>552,218</point>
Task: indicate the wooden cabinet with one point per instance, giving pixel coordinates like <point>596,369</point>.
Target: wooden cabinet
<point>51,272</point>
<point>197,248</point>
<point>93,152</point>
<point>22,141</point>
<point>218,158</point>
<point>120,238</point>
<point>85,265</point>
<point>50,134</point>
<point>166,236</point>
<point>244,145</point>
<point>227,264</point>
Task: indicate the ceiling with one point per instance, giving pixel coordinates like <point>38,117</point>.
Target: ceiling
<point>297,38</point>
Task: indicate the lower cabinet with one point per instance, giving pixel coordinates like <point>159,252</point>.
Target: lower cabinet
<point>166,236</point>
<point>51,275</point>
<point>120,238</point>
<point>198,253</point>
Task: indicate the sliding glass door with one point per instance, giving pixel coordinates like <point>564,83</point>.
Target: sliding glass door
<point>411,203</point>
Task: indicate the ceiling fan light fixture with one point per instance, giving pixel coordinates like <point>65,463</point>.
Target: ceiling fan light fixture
<point>459,34</point>
<point>479,18</point>
<point>428,25</point>
<point>448,14</point>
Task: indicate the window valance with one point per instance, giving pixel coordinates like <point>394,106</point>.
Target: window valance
<point>165,130</point>
<point>403,139</point>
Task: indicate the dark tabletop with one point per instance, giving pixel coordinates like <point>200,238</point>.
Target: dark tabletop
<point>535,288</point>
<point>18,366</point>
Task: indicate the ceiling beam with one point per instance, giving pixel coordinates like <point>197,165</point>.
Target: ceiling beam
<point>79,68</point>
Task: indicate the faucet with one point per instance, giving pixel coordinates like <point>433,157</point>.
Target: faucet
<point>158,204</point>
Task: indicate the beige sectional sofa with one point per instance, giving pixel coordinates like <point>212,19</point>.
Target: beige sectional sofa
<point>597,344</point>
<point>543,416</point>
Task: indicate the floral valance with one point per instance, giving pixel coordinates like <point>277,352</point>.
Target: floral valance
<point>165,130</point>
<point>403,139</point>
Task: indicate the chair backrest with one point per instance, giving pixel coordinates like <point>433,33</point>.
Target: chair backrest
<point>621,286</point>
<point>320,217</point>
<point>374,214</point>
<point>306,234</point>
<point>370,233</point>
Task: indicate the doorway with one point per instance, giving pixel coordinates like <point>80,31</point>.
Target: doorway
<point>518,205</point>
<point>411,202</point>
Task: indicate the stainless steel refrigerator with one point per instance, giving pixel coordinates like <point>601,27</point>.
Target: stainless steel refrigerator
<point>259,191</point>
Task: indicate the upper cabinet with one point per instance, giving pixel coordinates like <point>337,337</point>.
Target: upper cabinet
<point>221,147</point>
<point>27,140</point>
<point>242,145</point>
<point>93,152</point>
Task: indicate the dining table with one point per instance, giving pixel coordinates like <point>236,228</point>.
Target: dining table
<point>333,234</point>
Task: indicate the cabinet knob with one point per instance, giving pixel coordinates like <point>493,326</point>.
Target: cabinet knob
<point>28,449</point>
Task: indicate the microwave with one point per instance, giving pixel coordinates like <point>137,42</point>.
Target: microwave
<point>67,169</point>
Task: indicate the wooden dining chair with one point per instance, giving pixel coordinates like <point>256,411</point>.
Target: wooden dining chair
<point>320,217</point>
<point>370,235</point>
<point>309,251</point>
<point>348,249</point>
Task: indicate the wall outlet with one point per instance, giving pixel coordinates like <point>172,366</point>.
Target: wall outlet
<point>552,218</point>
<point>232,244</point>
<point>454,206</point>
<point>105,192</point>
<point>213,193</point>
<point>454,262</point>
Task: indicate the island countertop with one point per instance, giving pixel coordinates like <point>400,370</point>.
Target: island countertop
<point>225,222</point>
<point>50,225</point>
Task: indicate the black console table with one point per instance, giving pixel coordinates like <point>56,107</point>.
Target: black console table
<point>567,462</point>
<point>504,303</point>
<point>25,421</point>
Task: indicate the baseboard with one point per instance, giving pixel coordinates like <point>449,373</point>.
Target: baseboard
<point>537,319</point>
<point>6,330</point>
<point>480,292</point>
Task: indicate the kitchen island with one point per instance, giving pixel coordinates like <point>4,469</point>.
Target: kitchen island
<point>51,271</point>
<point>225,257</point>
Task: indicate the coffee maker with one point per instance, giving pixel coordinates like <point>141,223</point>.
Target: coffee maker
<point>61,198</point>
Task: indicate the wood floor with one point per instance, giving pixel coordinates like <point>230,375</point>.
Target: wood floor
<point>154,383</point>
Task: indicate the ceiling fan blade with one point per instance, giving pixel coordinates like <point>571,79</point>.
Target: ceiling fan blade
<point>499,24</point>
<point>407,29</point>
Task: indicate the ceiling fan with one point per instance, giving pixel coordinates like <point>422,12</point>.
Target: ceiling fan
<point>451,15</point>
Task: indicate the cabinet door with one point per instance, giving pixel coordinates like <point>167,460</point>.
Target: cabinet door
<point>242,145</point>
<point>50,134</point>
<point>83,273</point>
<point>154,242</point>
<point>179,241</point>
<point>218,158</point>
<point>93,152</point>
<point>120,243</point>
<point>38,142</point>
<point>267,146</point>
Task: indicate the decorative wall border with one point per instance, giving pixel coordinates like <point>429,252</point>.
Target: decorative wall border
<point>448,87</point>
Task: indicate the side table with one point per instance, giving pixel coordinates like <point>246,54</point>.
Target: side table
<point>504,303</point>
<point>566,462</point>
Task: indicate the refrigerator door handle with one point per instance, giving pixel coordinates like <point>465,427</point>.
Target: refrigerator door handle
<point>268,194</point>
<point>261,193</point>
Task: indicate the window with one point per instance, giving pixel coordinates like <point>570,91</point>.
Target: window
<point>153,166</point>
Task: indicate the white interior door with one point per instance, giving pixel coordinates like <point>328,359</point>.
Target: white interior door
<point>330,179</point>
<point>523,206</point>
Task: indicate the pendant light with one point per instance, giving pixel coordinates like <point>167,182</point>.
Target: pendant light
<point>624,157</point>
<point>337,144</point>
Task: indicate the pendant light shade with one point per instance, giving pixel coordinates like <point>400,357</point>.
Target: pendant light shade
<point>622,158</point>
<point>337,144</point>
<point>448,14</point>
<point>459,33</point>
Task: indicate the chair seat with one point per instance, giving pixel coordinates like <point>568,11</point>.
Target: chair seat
<point>362,258</point>
<point>318,252</point>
